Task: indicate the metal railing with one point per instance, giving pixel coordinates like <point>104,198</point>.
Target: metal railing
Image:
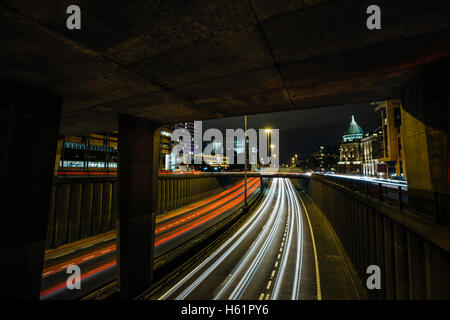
<point>411,251</point>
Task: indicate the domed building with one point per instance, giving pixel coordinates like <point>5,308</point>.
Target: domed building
<point>350,154</point>
<point>354,132</point>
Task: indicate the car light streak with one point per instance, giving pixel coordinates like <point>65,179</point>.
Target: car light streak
<point>234,241</point>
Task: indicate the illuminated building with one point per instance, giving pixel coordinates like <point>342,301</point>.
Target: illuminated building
<point>372,147</point>
<point>214,161</point>
<point>165,143</point>
<point>323,159</point>
<point>350,153</point>
<point>389,114</point>
<point>91,152</point>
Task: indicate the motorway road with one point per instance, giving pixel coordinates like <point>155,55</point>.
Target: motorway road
<point>271,256</point>
<point>97,260</point>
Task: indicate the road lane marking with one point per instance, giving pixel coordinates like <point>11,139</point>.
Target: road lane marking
<point>243,231</point>
<point>281,272</point>
<point>316,260</point>
<point>266,241</point>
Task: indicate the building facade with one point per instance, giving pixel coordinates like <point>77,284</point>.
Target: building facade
<point>389,113</point>
<point>324,158</point>
<point>372,148</point>
<point>350,153</point>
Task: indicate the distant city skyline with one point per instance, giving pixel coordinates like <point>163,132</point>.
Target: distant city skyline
<point>302,131</point>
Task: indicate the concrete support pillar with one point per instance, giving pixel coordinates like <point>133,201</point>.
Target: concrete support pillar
<point>167,191</point>
<point>179,195</point>
<point>138,186</point>
<point>190,189</point>
<point>163,195</point>
<point>426,124</point>
<point>158,209</point>
<point>183,185</point>
<point>59,147</point>
<point>175,193</point>
<point>172,194</point>
<point>29,127</point>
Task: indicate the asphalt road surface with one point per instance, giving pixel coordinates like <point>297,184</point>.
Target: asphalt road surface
<point>97,259</point>
<point>272,256</point>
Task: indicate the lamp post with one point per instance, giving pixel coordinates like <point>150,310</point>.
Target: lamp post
<point>268,132</point>
<point>245,158</point>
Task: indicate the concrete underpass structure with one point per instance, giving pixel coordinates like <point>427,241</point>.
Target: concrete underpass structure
<point>82,207</point>
<point>134,67</point>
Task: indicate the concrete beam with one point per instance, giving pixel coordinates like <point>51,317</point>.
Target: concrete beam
<point>172,61</point>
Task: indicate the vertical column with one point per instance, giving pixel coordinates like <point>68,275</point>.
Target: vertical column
<point>182,184</point>
<point>59,148</point>
<point>167,196</point>
<point>29,126</point>
<point>171,194</point>
<point>426,123</point>
<point>158,209</point>
<point>138,185</point>
<point>179,192</point>
<point>163,196</point>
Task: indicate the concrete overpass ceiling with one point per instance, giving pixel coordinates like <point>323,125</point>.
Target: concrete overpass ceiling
<point>172,60</point>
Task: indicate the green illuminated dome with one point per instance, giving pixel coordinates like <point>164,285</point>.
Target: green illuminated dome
<point>354,131</point>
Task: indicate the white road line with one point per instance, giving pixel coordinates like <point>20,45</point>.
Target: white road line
<point>299,257</point>
<point>241,233</point>
<point>281,273</point>
<point>266,239</point>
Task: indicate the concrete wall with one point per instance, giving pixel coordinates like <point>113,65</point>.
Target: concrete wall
<point>180,190</point>
<point>425,118</point>
<point>83,207</point>
<point>412,252</point>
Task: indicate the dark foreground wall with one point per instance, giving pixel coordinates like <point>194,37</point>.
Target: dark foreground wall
<point>83,207</point>
<point>412,252</point>
<point>175,191</point>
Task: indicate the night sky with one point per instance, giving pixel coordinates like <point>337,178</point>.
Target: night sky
<point>302,131</point>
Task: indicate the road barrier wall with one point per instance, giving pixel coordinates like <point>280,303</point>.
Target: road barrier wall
<point>81,207</point>
<point>411,251</point>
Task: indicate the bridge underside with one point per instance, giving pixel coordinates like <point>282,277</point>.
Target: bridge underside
<point>176,61</point>
<point>136,65</point>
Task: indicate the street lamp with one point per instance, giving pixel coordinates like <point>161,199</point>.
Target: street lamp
<point>268,132</point>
